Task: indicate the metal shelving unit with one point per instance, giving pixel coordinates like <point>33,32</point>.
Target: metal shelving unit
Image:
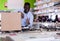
<point>45,13</point>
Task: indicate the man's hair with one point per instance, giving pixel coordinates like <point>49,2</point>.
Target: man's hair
<point>27,3</point>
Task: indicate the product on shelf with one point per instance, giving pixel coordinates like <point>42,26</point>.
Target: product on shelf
<point>42,18</point>
<point>48,9</point>
<point>59,18</point>
<point>57,3</point>
<point>51,4</point>
<point>39,2</point>
<point>36,8</point>
<point>42,2</point>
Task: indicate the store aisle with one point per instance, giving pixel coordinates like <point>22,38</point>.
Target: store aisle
<point>33,36</point>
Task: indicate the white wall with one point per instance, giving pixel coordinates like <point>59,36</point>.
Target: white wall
<point>15,4</point>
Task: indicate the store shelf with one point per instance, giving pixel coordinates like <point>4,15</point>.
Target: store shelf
<point>44,6</point>
<point>50,10</point>
<point>41,3</point>
<point>55,0</point>
<point>43,22</point>
<point>55,7</point>
<point>47,9</point>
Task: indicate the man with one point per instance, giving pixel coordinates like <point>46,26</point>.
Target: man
<point>27,16</point>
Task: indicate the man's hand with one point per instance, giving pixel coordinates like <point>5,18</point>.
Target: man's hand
<point>22,15</point>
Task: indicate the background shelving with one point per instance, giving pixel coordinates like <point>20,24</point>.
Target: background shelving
<point>49,8</point>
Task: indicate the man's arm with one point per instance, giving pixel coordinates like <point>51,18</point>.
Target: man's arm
<point>22,15</point>
<point>31,19</point>
<point>27,21</point>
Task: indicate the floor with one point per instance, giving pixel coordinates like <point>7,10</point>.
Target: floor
<point>33,36</point>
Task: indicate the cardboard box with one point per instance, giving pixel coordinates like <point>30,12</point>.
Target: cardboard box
<point>10,21</point>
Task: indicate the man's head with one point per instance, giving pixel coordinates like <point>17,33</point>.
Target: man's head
<point>26,7</point>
